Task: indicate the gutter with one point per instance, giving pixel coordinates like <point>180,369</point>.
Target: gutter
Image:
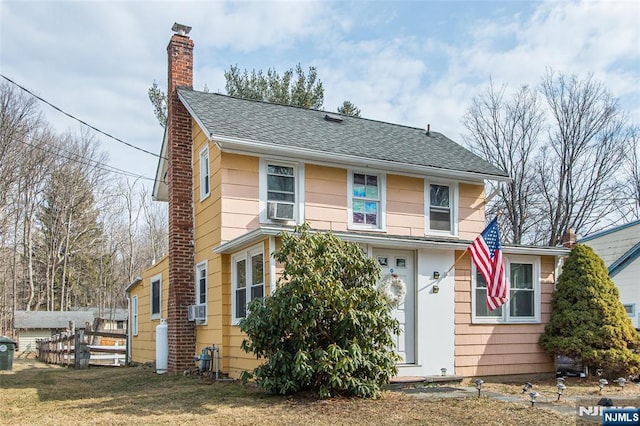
<point>258,234</point>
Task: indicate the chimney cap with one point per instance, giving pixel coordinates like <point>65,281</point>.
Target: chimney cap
<point>181,29</point>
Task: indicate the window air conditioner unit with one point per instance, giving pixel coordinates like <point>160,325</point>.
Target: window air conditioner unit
<point>197,313</point>
<point>279,210</point>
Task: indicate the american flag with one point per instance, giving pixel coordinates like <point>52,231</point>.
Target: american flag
<point>486,252</point>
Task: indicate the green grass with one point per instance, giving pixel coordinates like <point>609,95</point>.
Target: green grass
<point>35,394</point>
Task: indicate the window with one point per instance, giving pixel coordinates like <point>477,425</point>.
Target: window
<point>440,209</point>
<point>366,200</point>
<point>523,302</point>
<point>134,315</point>
<point>630,309</point>
<point>205,189</point>
<point>201,283</point>
<point>248,280</point>
<point>280,191</point>
<point>156,296</point>
<point>521,291</point>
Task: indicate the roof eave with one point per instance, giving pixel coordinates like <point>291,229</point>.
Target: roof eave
<point>160,188</point>
<point>258,234</point>
<point>135,281</point>
<point>627,258</point>
<point>252,147</point>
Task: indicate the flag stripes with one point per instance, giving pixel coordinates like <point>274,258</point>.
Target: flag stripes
<point>486,252</point>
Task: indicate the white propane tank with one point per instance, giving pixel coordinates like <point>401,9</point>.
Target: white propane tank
<point>162,347</point>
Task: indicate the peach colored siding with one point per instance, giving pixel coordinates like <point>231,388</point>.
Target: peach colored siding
<point>494,349</point>
<point>239,191</point>
<point>326,197</point>
<point>470,210</point>
<point>405,205</point>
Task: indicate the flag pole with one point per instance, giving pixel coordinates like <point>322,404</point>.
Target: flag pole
<point>498,214</point>
<point>454,263</point>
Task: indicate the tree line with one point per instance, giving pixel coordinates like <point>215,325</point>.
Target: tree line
<point>571,151</point>
<point>72,232</point>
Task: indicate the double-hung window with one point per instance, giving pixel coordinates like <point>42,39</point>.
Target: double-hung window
<point>205,181</point>
<point>156,296</point>
<point>440,211</point>
<point>201,283</point>
<point>248,280</point>
<point>366,200</point>
<point>523,300</point>
<point>280,191</point>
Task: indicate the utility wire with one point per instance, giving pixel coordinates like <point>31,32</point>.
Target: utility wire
<point>87,162</point>
<point>80,121</point>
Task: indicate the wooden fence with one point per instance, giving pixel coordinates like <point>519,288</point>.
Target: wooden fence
<point>83,348</point>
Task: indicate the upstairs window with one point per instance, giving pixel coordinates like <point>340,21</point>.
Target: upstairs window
<point>156,296</point>
<point>280,191</point>
<point>366,197</point>
<point>440,211</point>
<point>205,188</point>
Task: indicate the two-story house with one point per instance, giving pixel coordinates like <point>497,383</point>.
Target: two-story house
<point>236,173</point>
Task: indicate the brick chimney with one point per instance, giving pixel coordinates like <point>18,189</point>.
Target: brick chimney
<point>569,239</point>
<point>182,339</point>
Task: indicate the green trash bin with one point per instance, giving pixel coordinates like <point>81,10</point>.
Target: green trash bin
<point>7,347</point>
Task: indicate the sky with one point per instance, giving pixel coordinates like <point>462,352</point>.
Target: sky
<point>406,62</point>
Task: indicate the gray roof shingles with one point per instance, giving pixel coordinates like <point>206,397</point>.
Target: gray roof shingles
<point>50,319</point>
<point>60,319</point>
<point>294,127</point>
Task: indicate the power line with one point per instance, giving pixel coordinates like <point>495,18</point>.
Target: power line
<point>81,121</point>
<point>96,164</point>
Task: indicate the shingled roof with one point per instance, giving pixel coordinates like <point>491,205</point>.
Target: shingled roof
<point>284,126</point>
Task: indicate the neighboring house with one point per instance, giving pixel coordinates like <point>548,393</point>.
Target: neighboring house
<point>30,326</point>
<point>619,247</point>
<point>236,173</point>
<point>112,320</point>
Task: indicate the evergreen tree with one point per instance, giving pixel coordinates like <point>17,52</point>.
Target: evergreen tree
<point>304,91</point>
<point>347,108</point>
<point>588,320</point>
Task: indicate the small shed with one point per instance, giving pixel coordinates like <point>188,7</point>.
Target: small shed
<point>32,325</point>
<point>113,320</point>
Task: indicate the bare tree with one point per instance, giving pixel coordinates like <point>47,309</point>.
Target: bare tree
<point>505,132</point>
<point>630,185</point>
<point>69,220</point>
<point>21,129</point>
<point>585,147</point>
<point>156,227</point>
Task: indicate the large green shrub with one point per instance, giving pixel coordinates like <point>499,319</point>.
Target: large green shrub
<point>588,320</point>
<point>326,328</point>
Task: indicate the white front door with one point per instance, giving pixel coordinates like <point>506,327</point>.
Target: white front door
<point>400,262</point>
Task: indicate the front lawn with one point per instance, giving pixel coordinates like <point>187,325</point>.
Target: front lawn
<point>35,393</point>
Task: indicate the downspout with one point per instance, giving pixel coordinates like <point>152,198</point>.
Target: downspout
<point>272,265</point>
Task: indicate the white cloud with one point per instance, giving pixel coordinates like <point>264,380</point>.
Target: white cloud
<point>97,59</point>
